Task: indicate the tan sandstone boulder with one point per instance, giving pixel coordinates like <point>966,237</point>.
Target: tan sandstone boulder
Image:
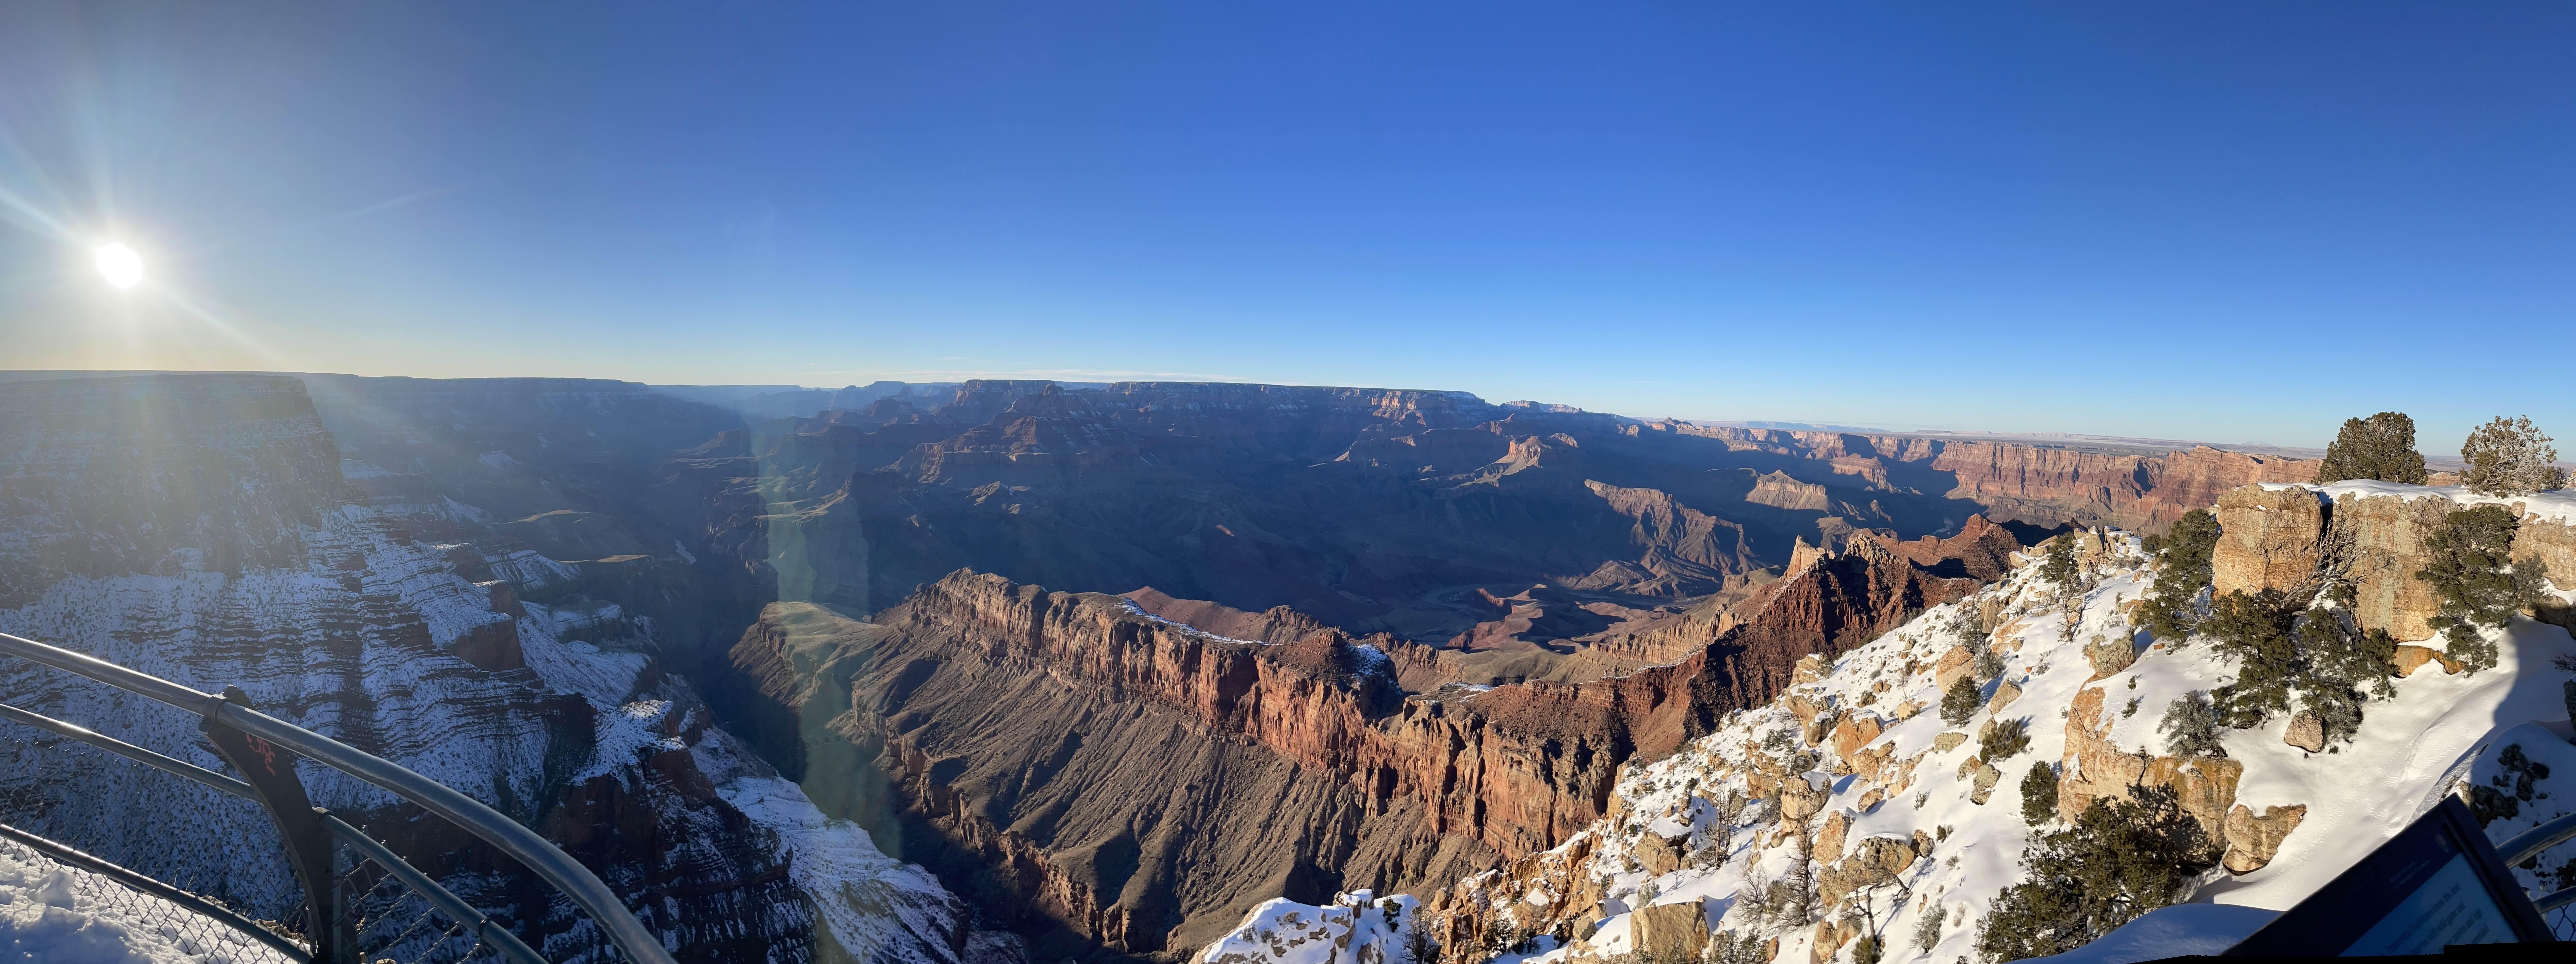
<point>2109,656</point>
<point>1952,665</point>
<point>1671,932</point>
<point>1856,731</point>
<point>2252,841</point>
<point>2307,732</point>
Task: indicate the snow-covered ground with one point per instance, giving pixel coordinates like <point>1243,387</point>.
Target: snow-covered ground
<point>1900,784</point>
<point>55,914</point>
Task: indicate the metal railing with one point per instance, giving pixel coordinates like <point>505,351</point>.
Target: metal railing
<point>335,921</point>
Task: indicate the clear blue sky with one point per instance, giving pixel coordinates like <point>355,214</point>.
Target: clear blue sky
<point>2215,221</point>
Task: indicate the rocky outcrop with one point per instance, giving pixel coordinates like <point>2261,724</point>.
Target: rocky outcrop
<point>2268,539</point>
<point>2386,535</point>
<point>2376,532</point>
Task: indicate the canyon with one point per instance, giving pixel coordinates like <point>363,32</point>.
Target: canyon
<point>1088,669</point>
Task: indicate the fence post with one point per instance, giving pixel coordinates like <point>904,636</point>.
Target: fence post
<point>270,771</point>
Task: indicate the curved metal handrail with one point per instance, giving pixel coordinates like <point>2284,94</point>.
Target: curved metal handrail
<point>195,904</point>
<point>131,752</point>
<point>548,862</point>
<point>2530,843</point>
<point>440,897</point>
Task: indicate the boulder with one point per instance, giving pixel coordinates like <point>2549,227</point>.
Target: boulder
<point>1831,936</point>
<point>1952,665</point>
<point>2005,693</point>
<point>2109,655</point>
<point>1660,855</point>
<point>2307,732</point>
<point>1986,778</point>
<point>1854,732</point>
<point>1829,841</point>
<point>1949,741</point>
<point>1810,668</point>
<point>2252,841</point>
<point>1671,932</point>
<point>2268,539</point>
<point>1801,798</point>
<point>2386,535</point>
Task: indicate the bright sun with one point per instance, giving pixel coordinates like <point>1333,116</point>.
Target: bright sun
<point>120,265</point>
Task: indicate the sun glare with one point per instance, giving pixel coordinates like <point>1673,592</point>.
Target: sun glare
<point>120,265</point>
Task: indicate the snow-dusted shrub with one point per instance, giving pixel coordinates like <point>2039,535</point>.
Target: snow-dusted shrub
<point>1927,929</point>
<point>2039,793</point>
<point>2120,859</point>
<point>2509,457</point>
<point>2170,608</point>
<point>2190,726</point>
<point>2478,583</point>
<point>2380,447</point>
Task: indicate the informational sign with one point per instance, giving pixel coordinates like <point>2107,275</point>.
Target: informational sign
<point>2436,884</point>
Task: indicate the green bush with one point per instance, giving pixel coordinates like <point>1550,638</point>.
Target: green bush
<point>2039,794</point>
<point>1960,703</point>
<point>2058,566</point>
<point>2379,447</point>
<point>2256,629</point>
<point>2182,558</point>
<point>2004,740</point>
<point>2477,581</point>
<point>2120,859</point>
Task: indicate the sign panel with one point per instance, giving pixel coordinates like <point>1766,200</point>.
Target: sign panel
<point>2436,884</point>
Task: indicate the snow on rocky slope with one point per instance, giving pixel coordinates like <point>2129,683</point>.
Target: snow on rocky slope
<point>1853,776</point>
<point>226,547</point>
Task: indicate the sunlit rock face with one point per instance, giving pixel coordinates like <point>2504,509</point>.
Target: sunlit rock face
<point>206,529</point>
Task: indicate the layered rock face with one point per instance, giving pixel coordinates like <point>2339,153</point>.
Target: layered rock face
<point>2268,539</point>
<point>1010,726</point>
<point>2035,483</point>
<point>426,638</point>
<point>2278,537</point>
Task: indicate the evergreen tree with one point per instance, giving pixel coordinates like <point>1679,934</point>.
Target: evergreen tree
<point>2190,726</point>
<point>2058,565</point>
<point>2256,629</point>
<point>2183,570</point>
<point>2479,584</point>
<point>2038,794</point>
<point>2509,457</point>
<point>1961,701</point>
<point>2380,447</point>
<point>2120,859</point>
